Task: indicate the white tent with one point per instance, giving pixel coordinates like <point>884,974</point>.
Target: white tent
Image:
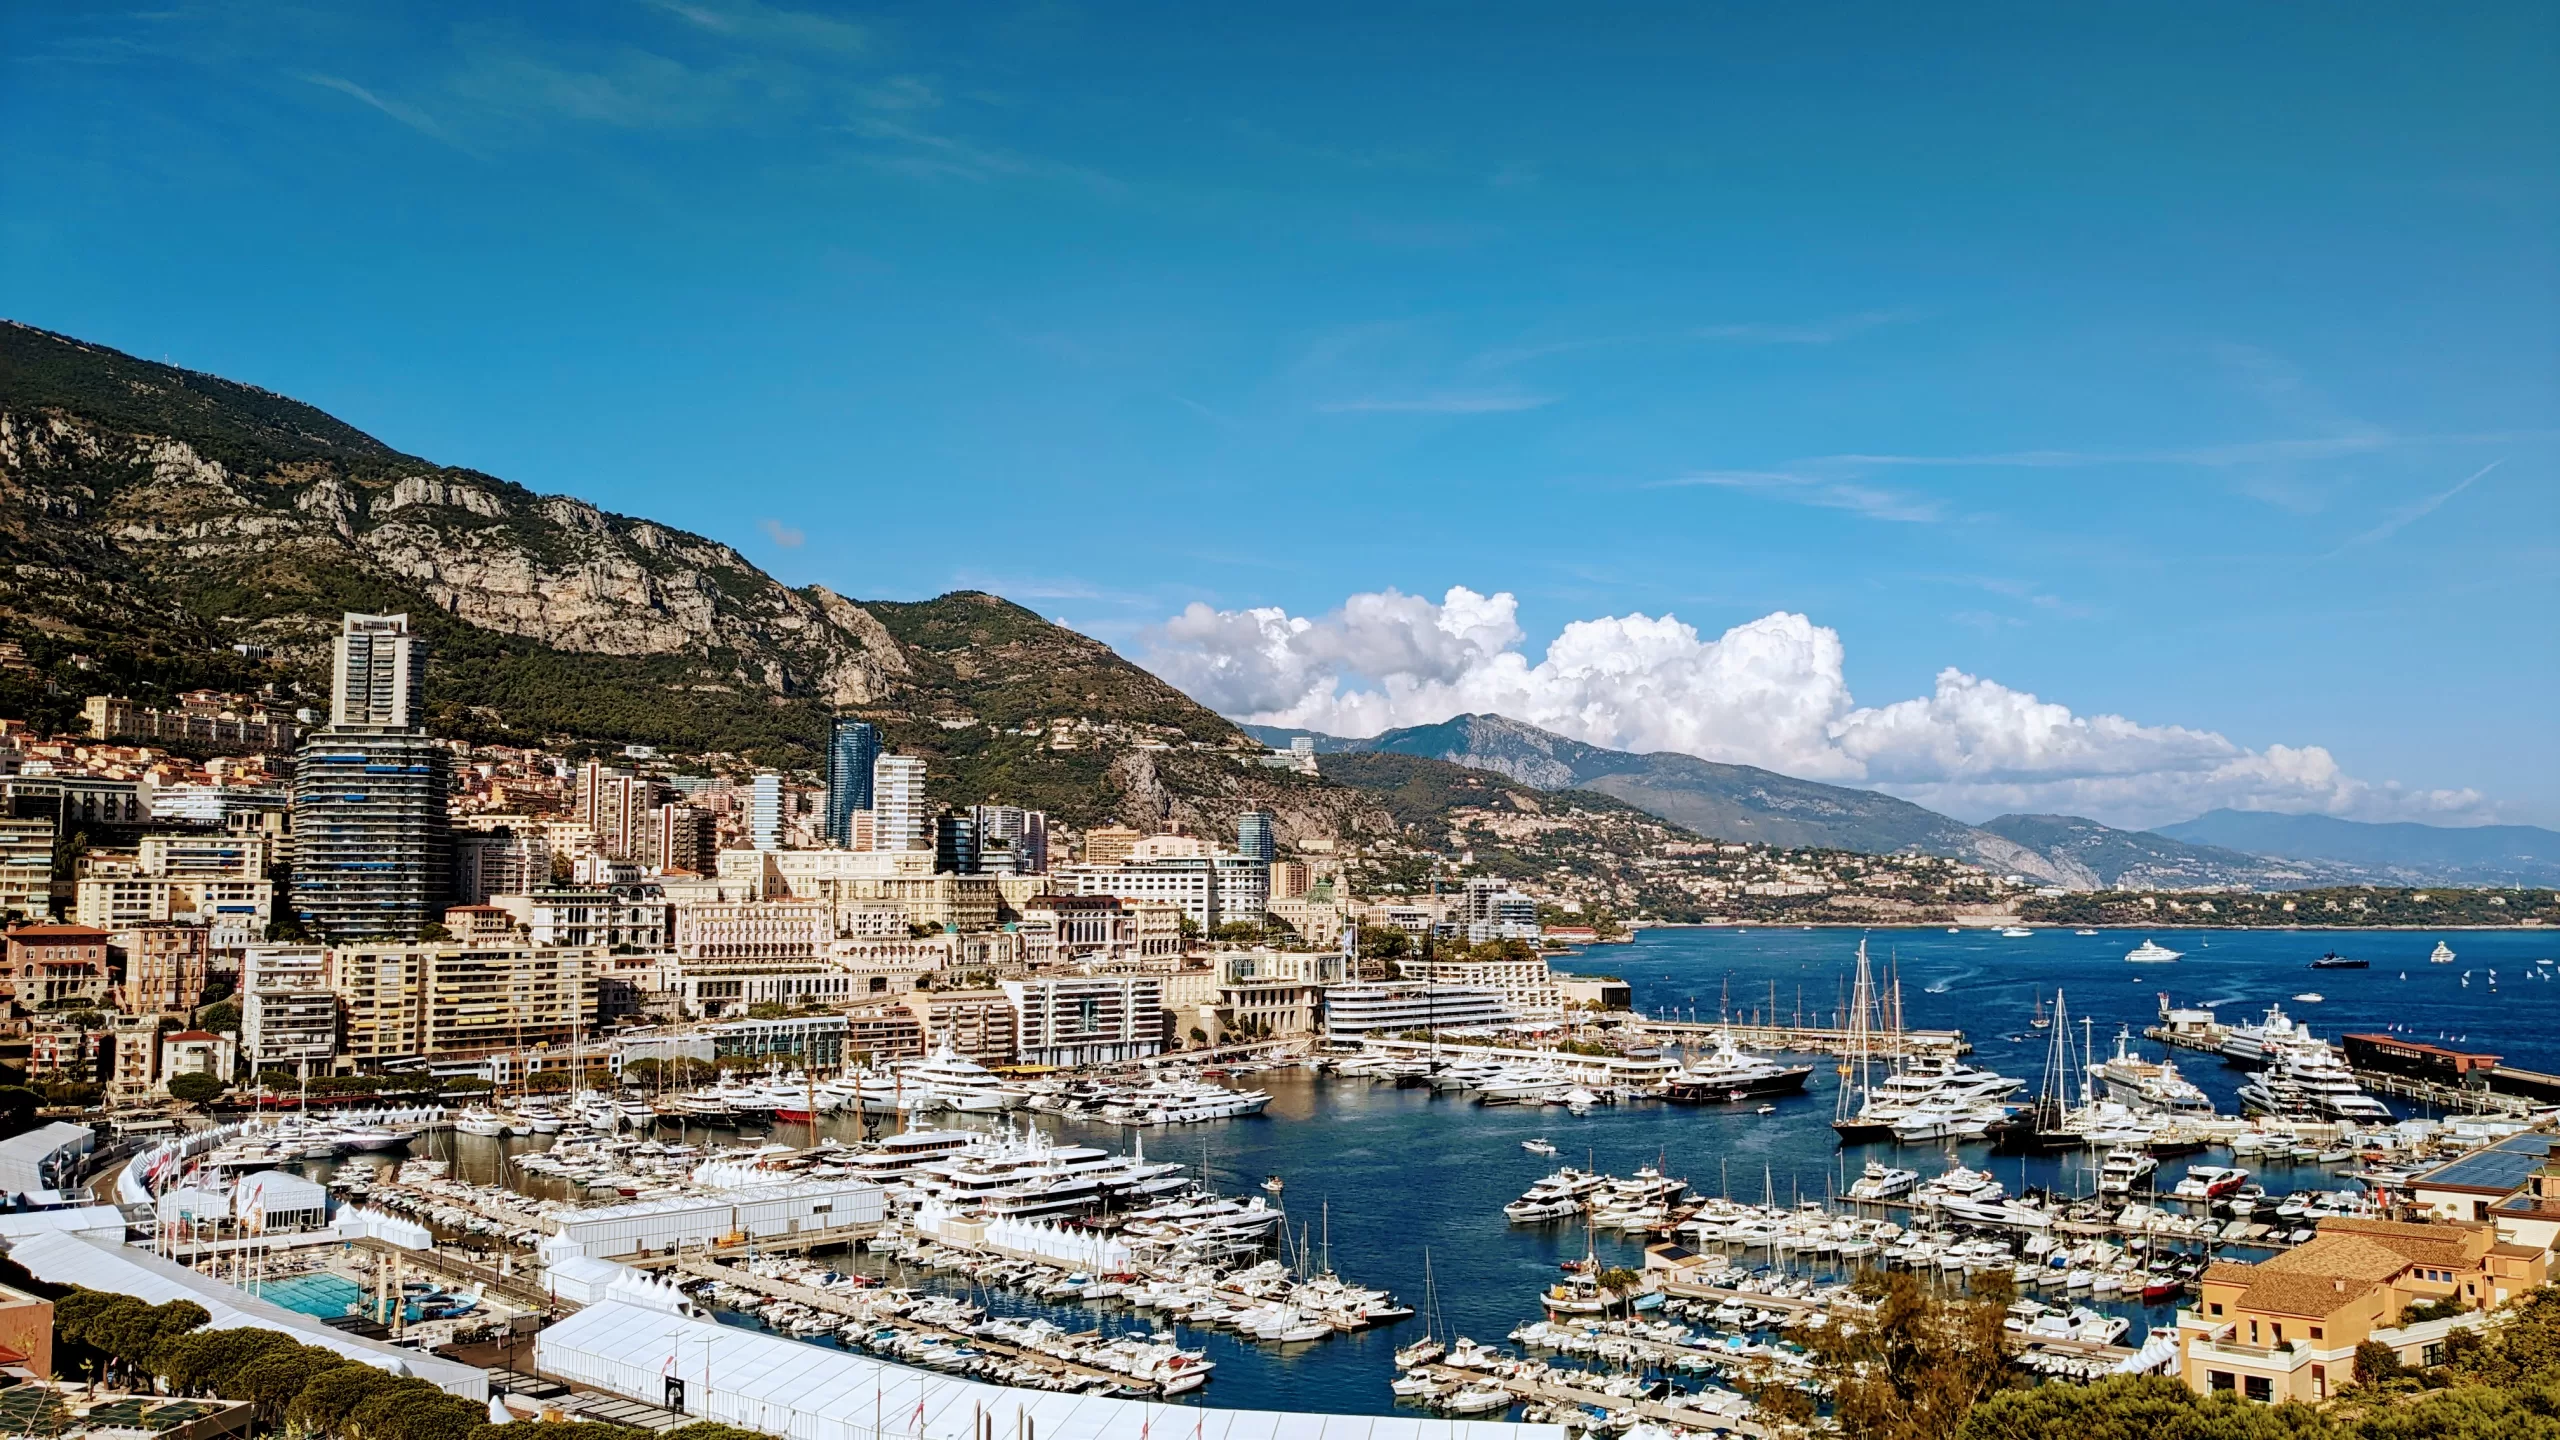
<point>809,1392</point>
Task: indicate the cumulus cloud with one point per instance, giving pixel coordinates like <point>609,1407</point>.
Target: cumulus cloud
<point>1772,692</point>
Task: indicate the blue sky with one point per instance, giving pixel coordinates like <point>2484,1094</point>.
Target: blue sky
<point>2191,366</point>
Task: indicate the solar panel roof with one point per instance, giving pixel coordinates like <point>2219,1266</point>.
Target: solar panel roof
<point>2503,1166</point>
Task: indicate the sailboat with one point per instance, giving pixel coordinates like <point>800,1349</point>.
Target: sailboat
<point>2038,1128</point>
<point>1857,1063</point>
<point>2042,1020</point>
<point>1430,1347</point>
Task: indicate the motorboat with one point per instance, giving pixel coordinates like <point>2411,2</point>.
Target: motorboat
<point>2015,932</point>
<point>481,1120</point>
<point>2441,955</point>
<point>1882,1182</point>
<point>2310,997</point>
<point>2150,952</point>
<point>2305,1077</point>
<point>2124,1168</point>
<point>2249,1044</point>
<point>2209,1182</point>
<point>1948,1120</point>
<point>2335,961</point>
<point>1539,1146</point>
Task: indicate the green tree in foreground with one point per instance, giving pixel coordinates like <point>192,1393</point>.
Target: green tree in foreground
<point>195,1089</point>
<point>1914,1368</point>
<point>2138,1407</point>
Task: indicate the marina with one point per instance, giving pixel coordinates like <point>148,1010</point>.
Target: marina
<point>1751,1222</point>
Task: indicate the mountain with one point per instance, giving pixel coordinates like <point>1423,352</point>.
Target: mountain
<point>2403,852</point>
<point>162,529</point>
<point>1741,803</point>
<point>2142,860</point>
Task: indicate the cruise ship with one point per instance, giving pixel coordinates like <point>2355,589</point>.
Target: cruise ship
<point>2140,1084</point>
<point>2306,1077</point>
<point>1731,1073</point>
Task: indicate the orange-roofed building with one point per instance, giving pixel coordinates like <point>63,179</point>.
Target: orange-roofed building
<point>2288,1328</point>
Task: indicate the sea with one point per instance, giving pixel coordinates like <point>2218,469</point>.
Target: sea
<point>1380,1182</point>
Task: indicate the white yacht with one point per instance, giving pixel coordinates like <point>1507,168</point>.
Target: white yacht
<point>2252,1044</point>
<point>2123,1168</point>
<point>1554,1197</point>
<point>2306,1077</point>
<point>1523,1085</point>
<point>1882,1182</point>
<point>2442,954</point>
<point>481,1120</point>
<point>1923,1081</point>
<point>1948,1120</point>
<point>2140,1084</point>
<point>2150,952</point>
<point>959,1082</point>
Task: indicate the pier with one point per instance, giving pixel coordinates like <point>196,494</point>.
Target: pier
<point>1816,1039</point>
<point>1548,1390</point>
<point>2524,1091</point>
<point>800,1243</point>
<point>833,1303</point>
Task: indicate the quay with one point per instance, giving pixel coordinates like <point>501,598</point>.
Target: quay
<point>1816,1039</point>
<point>2500,1088</point>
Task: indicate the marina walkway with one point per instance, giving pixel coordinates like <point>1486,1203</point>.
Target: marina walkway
<point>1815,1039</point>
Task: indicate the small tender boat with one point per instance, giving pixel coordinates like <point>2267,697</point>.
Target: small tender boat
<point>1274,1184</point>
<point>2015,932</point>
<point>2442,954</point>
<point>1539,1146</point>
<point>2310,997</point>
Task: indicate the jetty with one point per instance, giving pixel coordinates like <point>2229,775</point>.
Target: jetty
<point>1546,1388</point>
<point>1847,1041</point>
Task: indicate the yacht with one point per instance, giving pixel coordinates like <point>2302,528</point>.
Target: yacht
<point>1948,1120</point>
<point>2335,961</point>
<point>1959,1184</point>
<point>2016,932</point>
<point>2306,1077</point>
<point>2139,1084</point>
<point>1922,1081</point>
<point>2442,954</point>
<point>2150,952</point>
<point>1555,1196</point>
<point>1522,1085</point>
<point>2251,1044</point>
<point>895,1157</point>
<point>958,1082</point>
<point>1881,1182</point>
<point>480,1120</point>
<point>1540,1146</point>
<point>2123,1168</point>
<point>1731,1073</point>
<point>2209,1182</point>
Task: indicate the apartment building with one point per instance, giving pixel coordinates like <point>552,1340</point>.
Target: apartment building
<point>976,1023</point>
<point>164,967</point>
<point>2288,1328</point>
<point>48,964</point>
<point>590,918</point>
<point>26,868</point>
<point>1100,930</point>
<point>450,1001</point>
<point>1210,889</point>
<point>752,932</point>
<point>1355,1012</point>
<point>1086,1019</point>
<point>288,1014</point>
<point>1525,983</point>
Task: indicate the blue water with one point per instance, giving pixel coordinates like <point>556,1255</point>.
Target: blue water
<point>1393,1172</point>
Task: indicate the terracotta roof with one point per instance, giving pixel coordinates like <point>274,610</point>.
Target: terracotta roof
<point>2230,1272</point>
<point>57,932</point>
<point>192,1035</point>
<point>2507,1251</point>
<point>2312,1296</point>
<point>2339,1257</point>
<point>2447,1244</point>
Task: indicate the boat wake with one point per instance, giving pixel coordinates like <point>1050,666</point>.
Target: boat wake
<point>1943,986</point>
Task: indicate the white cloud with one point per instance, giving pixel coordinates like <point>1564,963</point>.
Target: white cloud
<point>1771,693</point>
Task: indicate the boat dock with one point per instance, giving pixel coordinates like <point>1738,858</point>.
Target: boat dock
<point>1546,1389</point>
<point>2523,1092</point>
<point>832,1303</point>
<point>1815,1039</point>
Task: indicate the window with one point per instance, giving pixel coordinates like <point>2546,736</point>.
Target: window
<point>2319,1382</point>
<point>2218,1379</point>
<point>2258,1387</point>
<point>2215,1307</point>
<point>2279,1332</point>
<point>2317,1335</point>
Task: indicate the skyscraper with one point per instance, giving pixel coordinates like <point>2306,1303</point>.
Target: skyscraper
<point>852,747</point>
<point>1257,835</point>
<point>374,680</point>
<point>764,812</point>
<point>372,849</point>
<point>900,820</point>
<point>1025,833</point>
<point>955,843</point>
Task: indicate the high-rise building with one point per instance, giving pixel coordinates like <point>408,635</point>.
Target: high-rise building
<point>372,850</point>
<point>900,820</point>
<point>1258,835</point>
<point>374,682</point>
<point>852,748</point>
<point>1025,834</point>
<point>764,812</point>
<point>955,843</point>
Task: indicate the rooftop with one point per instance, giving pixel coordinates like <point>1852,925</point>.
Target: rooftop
<point>2499,1170</point>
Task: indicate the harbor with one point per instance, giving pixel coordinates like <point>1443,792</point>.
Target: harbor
<point>1746,1208</point>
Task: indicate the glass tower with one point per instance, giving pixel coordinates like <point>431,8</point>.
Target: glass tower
<point>852,747</point>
